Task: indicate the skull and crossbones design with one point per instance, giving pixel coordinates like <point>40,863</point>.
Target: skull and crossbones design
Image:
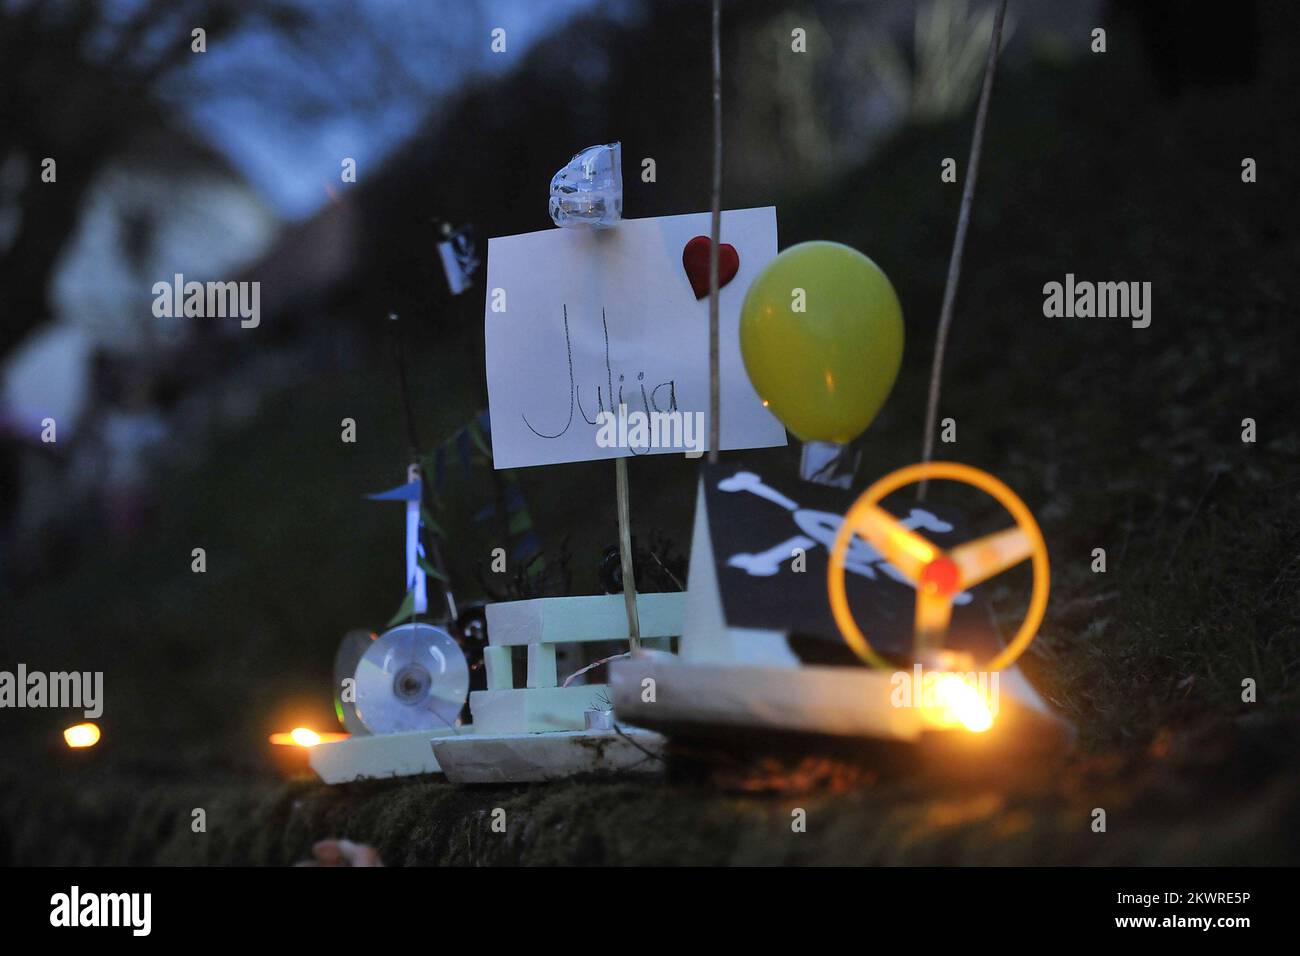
<point>821,527</point>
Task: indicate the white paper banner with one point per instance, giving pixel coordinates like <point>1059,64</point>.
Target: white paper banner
<point>574,316</point>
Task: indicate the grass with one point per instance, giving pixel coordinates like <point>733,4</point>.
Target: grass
<point>1124,439</point>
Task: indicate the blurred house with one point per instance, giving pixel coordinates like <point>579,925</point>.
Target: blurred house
<point>168,204</point>
<point>104,368</point>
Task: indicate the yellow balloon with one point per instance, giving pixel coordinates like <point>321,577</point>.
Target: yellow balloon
<point>821,332</point>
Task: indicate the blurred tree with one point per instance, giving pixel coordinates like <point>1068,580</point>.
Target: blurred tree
<point>84,78</point>
<point>79,77</point>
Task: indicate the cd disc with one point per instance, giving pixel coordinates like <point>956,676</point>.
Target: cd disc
<point>355,643</point>
<point>413,677</point>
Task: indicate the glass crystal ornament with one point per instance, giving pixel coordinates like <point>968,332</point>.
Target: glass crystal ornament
<point>588,190</point>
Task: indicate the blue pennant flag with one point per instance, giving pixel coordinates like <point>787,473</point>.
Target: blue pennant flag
<point>416,582</point>
<point>407,492</point>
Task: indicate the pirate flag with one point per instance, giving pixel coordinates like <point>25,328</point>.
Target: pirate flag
<point>770,545</point>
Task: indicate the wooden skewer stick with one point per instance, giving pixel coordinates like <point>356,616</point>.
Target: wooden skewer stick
<point>715,237</point>
<point>959,243</point>
<point>625,554</point>
<point>620,464</point>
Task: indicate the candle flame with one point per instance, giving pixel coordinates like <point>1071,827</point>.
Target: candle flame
<point>304,737</point>
<point>81,735</point>
<point>958,702</point>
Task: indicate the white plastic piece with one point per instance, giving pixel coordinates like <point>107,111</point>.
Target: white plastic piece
<point>541,666</point>
<point>523,758</point>
<point>705,635</point>
<point>597,617</point>
<point>844,701</point>
<point>535,710</point>
<point>500,668</point>
<point>388,755</point>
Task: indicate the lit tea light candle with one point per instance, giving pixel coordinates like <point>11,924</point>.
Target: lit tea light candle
<point>79,736</point>
<point>958,702</point>
<point>304,737</point>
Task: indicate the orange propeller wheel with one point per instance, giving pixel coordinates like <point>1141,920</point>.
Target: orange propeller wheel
<point>939,575</point>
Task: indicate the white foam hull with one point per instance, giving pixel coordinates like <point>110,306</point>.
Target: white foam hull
<point>528,758</point>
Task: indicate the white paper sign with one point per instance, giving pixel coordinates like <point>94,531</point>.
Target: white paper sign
<point>575,316</point>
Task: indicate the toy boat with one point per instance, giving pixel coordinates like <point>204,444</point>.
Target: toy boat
<point>732,677</point>
<point>761,648</point>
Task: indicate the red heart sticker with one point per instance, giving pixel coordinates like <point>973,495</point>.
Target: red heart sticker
<point>695,260</point>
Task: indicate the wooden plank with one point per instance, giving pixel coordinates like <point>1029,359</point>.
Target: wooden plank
<point>596,617</point>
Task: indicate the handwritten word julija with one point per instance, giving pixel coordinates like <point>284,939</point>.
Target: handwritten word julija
<point>654,426</point>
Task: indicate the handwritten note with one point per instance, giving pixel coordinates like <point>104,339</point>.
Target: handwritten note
<point>597,347</point>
